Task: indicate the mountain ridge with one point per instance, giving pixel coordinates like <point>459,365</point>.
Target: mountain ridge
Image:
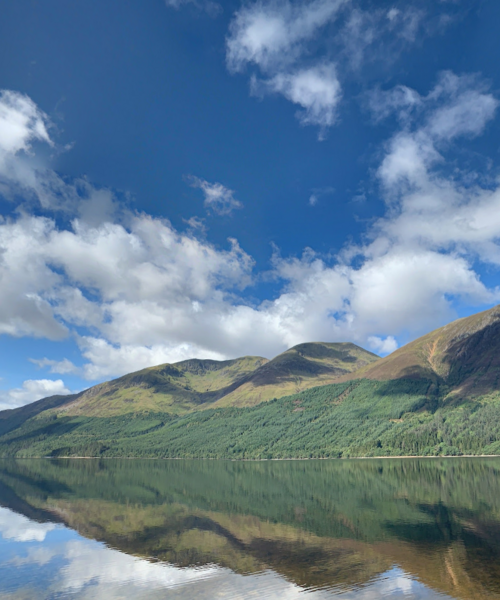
<point>195,384</point>
<point>438,395</point>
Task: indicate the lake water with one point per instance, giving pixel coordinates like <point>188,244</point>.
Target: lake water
<point>311,530</point>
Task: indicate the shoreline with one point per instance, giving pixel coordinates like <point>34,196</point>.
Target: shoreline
<point>243,459</point>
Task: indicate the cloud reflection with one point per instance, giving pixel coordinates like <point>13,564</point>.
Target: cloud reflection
<point>20,529</point>
<point>84,569</point>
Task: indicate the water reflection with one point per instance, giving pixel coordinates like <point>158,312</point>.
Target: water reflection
<point>207,529</point>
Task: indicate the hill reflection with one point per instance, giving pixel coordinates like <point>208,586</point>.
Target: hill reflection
<point>334,525</point>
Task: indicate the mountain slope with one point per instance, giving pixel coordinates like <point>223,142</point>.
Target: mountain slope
<point>300,368</point>
<point>176,388</point>
<point>463,356</point>
<point>193,384</point>
<point>438,395</point>
<point>13,418</point>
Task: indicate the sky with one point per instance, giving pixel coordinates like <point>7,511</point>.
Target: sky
<point>189,178</point>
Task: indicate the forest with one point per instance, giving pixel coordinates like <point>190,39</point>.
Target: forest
<point>370,418</point>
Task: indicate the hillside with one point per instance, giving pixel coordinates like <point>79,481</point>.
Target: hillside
<point>463,356</point>
<point>298,369</point>
<point>193,384</point>
<point>358,418</point>
<point>176,388</point>
<point>436,396</point>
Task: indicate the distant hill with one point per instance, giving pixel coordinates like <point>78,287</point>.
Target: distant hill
<point>196,384</point>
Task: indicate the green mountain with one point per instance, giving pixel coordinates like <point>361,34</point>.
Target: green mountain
<point>438,395</point>
<point>197,384</point>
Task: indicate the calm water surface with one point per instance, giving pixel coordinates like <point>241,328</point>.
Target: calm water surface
<point>313,530</point>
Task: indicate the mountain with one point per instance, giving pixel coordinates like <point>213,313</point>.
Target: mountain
<point>463,356</point>
<point>438,395</point>
<point>298,369</point>
<point>193,384</point>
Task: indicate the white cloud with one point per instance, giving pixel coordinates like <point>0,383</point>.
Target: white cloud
<point>145,294</point>
<point>358,34</point>
<point>464,107</point>
<point>25,175</point>
<point>269,34</point>
<point>370,35</point>
<point>104,358</point>
<point>400,100</point>
<point>26,281</point>
<point>317,90</point>
<point>61,367</point>
<point>299,49</point>
<point>382,346</point>
<point>21,529</point>
<point>273,36</point>
<point>32,389</point>
<point>433,209</point>
<point>149,264</point>
<point>318,193</point>
<point>21,124</point>
<point>457,106</point>
<point>218,198</point>
<point>407,23</point>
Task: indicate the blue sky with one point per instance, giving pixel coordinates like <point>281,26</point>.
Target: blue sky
<point>189,178</point>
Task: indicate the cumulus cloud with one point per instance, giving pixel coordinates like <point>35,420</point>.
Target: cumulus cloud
<point>105,269</point>
<point>25,175</point>
<point>434,209</point>
<point>382,346</point>
<point>218,198</point>
<point>105,358</point>
<point>31,390</point>
<point>306,51</point>
<point>273,37</point>
<point>141,293</point>
<point>21,124</point>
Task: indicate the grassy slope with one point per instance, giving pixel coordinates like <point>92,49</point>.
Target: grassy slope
<point>437,395</point>
<point>176,388</point>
